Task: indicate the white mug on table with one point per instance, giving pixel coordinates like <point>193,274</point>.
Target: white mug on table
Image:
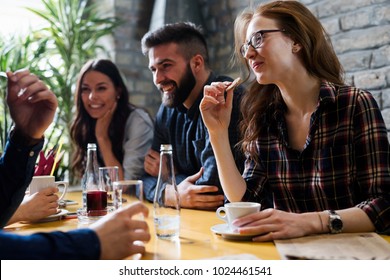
<point>234,210</point>
<point>40,182</point>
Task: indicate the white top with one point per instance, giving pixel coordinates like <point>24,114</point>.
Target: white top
<point>137,140</point>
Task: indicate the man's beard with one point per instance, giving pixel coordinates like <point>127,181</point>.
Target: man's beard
<point>180,93</point>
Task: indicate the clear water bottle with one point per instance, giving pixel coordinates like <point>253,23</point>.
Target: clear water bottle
<point>94,197</point>
<point>166,207</point>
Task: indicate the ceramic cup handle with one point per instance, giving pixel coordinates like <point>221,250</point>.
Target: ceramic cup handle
<point>65,184</point>
<point>221,213</point>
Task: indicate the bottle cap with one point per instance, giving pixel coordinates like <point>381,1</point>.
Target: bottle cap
<point>166,147</point>
<point>91,146</point>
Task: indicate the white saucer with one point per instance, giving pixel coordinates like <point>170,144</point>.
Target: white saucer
<point>227,233</point>
<point>54,217</point>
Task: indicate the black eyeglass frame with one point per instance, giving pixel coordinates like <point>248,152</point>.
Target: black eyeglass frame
<point>245,47</point>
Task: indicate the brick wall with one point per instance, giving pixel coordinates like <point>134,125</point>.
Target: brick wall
<point>359,29</point>
<point>360,33</point>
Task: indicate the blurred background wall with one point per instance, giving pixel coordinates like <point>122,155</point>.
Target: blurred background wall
<point>359,29</point>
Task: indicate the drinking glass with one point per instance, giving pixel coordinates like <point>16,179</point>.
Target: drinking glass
<point>107,176</point>
<point>127,190</point>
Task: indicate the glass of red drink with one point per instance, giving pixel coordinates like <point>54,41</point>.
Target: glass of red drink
<point>97,203</point>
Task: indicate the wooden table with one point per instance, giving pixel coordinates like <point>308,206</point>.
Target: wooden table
<point>196,241</point>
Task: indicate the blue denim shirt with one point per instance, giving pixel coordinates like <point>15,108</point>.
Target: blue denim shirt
<point>16,170</point>
<point>185,131</point>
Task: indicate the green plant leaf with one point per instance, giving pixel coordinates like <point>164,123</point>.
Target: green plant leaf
<point>56,52</point>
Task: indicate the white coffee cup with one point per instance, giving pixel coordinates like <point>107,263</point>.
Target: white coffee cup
<point>234,210</point>
<point>40,182</point>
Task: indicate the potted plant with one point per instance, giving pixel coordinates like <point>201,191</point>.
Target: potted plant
<point>71,37</point>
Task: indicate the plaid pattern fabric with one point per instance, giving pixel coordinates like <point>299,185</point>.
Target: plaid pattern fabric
<point>344,163</point>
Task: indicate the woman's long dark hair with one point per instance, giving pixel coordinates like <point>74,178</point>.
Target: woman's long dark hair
<point>82,130</point>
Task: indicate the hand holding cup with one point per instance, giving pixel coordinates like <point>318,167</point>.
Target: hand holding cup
<point>41,182</point>
<point>234,210</point>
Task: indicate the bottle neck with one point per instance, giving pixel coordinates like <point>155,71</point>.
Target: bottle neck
<point>92,165</point>
<point>166,164</point>
<point>166,190</point>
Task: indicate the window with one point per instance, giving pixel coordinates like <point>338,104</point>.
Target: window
<point>16,19</point>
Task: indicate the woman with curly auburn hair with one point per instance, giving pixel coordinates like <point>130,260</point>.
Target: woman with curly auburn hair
<point>317,150</point>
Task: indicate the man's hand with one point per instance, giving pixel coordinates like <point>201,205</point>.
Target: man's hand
<point>37,206</point>
<point>152,163</point>
<point>119,233</point>
<point>32,105</point>
<point>196,196</point>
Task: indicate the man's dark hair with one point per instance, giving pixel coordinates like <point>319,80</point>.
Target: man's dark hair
<point>186,35</point>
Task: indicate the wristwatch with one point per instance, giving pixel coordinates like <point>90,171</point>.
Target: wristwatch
<point>335,223</point>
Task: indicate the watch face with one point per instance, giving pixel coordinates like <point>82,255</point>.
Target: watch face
<point>337,224</point>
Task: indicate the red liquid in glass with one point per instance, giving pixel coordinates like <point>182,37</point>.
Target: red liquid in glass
<point>96,203</point>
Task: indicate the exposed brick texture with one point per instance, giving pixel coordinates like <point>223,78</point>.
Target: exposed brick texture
<point>359,29</point>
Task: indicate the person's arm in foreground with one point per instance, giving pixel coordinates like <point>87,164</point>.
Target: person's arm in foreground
<point>36,206</point>
<point>110,238</point>
<point>32,107</point>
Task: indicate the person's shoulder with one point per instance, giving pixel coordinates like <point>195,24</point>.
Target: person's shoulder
<point>140,115</point>
<point>349,90</point>
<point>348,94</point>
<point>165,115</point>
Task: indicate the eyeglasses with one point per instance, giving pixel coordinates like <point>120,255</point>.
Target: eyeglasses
<point>256,40</point>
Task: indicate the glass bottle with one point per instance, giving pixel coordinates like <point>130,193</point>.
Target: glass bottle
<point>166,209</point>
<point>94,197</point>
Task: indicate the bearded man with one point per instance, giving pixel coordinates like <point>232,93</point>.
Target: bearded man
<point>179,62</point>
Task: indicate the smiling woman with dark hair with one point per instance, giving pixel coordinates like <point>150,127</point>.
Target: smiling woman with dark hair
<point>122,131</point>
<point>32,106</point>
